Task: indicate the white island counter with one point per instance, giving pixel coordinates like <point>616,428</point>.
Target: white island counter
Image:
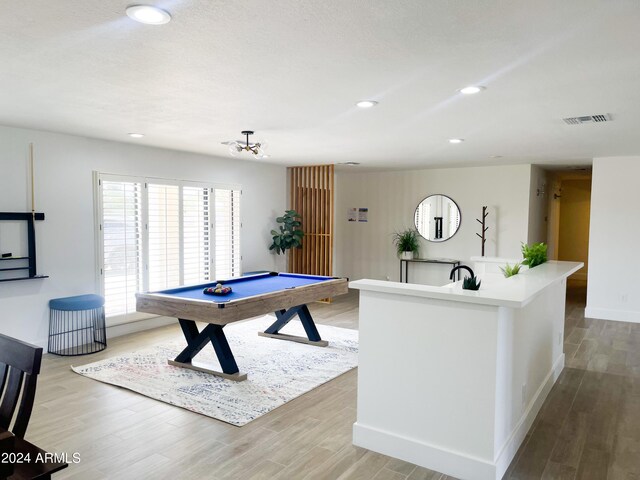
<point>452,379</point>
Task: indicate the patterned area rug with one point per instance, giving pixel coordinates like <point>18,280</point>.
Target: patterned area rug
<point>278,371</point>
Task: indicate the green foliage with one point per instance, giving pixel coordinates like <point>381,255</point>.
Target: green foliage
<point>407,241</point>
<point>535,254</point>
<point>510,271</point>
<point>290,234</point>
<point>471,283</point>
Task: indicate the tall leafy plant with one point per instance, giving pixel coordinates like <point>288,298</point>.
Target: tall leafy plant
<point>290,232</point>
<point>535,254</point>
<point>407,241</point>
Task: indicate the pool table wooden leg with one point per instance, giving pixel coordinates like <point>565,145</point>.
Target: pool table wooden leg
<point>197,340</point>
<point>285,316</point>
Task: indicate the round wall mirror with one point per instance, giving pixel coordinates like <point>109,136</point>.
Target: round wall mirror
<point>437,218</point>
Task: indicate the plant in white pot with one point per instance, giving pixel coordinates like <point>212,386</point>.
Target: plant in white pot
<point>407,243</point>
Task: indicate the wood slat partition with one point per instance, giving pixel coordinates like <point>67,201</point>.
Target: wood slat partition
<point>312,197</point>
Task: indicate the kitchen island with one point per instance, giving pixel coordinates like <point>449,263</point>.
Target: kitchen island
<point>452,379</point>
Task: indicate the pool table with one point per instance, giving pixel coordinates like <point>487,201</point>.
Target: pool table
<point>286,294</point>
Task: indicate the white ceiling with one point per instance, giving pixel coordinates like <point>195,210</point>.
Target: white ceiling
<point>293,69</point>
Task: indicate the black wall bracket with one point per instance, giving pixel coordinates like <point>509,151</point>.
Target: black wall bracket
<point>30,218</point>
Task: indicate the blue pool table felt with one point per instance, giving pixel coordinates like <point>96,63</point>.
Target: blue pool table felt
<point>246,286</point>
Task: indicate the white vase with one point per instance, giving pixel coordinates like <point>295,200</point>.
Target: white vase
<point>406,256</point>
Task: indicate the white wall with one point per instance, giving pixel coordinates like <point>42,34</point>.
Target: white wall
<point>365,250</point>
<point>66,238</point>
<point>612,291</point>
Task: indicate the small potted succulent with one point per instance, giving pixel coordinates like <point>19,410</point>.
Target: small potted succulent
<point>471,283</point>
<point>511,270</point>
<point>407,243</point>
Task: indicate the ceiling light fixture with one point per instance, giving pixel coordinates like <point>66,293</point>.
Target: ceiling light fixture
<point>366,103</point>
<point>237,147</point>
<point>148,14</point>
<point>349,164</point>
<point>136,135</point>
<point>456,140</point>
<point>472,89</point>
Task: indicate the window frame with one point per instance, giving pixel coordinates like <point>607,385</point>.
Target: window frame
<point>98,177</point>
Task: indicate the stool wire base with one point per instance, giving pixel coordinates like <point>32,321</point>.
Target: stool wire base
<point>77,332</point>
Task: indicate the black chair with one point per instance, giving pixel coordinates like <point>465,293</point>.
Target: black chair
<point>19,368</point>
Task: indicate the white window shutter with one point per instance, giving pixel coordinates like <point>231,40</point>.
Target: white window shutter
<point>163,236</point>
<point>196,235</point>
<point>184,233</point>
<point>122,245</point>
<point>227,233</point>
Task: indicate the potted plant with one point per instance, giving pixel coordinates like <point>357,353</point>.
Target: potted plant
<point>471,283</point>
<point>407,243</point>
<point>534,255</point>
<point>511,270</point>
<point>290,234</point>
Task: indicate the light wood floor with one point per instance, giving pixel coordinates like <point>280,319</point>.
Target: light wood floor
<point>589,426</point>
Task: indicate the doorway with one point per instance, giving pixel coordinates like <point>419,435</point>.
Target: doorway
<point>569,215</point>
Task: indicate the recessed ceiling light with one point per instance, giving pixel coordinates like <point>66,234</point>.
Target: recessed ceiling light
<point>148,14</point>
<point>136,135</point>
<point>496,156</point>
<point>366,103</point>
<point>471,89</point>
<point>350,164</point>
<point>456,140</point>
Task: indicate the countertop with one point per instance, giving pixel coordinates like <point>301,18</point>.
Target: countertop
<point>515,291</point>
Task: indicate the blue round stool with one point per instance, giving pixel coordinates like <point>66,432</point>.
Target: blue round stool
<point>77,325</point>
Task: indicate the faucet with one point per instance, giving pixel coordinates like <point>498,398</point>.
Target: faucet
<point>464,267</point>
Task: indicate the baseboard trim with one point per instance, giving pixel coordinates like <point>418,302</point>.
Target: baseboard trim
<point>611,314</point>
<point>138,326</point>
<point>454,463</point>
<point>411,450</point>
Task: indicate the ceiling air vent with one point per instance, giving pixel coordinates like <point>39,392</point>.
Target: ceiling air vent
<point>588,119</point>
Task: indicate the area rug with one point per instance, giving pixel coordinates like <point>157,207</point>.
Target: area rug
<point>278,371</point>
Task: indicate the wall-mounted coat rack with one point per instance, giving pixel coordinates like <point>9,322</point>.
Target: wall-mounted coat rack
<point>484,227</point>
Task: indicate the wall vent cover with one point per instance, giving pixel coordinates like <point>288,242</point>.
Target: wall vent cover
<point>588,119</point>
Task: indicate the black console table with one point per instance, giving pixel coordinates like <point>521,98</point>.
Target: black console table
<point>405,263</point>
